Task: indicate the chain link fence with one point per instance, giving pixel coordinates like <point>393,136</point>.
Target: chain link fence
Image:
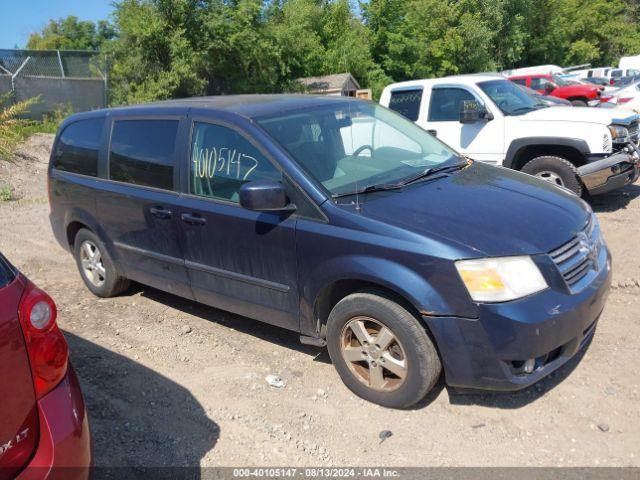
<point>74,80</point>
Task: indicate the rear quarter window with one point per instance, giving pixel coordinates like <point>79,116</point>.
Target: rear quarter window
<point>78,146</point>
<point>142,152</point>
<point>6,273</point>
<point>406,102</point>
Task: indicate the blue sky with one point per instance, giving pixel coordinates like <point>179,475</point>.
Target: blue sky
<point>18,18</point>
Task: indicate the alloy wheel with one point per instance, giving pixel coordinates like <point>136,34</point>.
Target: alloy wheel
<point>91,261</point>
<point>374,354</point>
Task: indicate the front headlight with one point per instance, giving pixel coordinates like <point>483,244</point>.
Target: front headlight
<point>619,134</point>
<point>500,279</point>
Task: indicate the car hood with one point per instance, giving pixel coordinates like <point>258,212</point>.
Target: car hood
<point>491,210</point>
<point>570,114</point>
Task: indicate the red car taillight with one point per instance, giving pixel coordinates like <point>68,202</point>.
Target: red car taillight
<point>47,348</point>
<point>624,99</point>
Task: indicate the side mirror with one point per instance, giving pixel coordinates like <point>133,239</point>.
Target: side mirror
<point>265,196</point>
<point>472,111</point>
<point>550,87</point>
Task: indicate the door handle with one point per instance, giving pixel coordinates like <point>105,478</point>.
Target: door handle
<point>433,132</point>
<point>160,212</point>
<point>193,219</point>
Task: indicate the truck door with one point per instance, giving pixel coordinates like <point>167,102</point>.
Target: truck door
<point>482,140</point>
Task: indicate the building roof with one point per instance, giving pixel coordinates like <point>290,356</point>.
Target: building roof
<point>337,81</point>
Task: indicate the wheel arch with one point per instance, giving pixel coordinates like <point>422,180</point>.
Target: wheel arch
<point>330,284</point>
<point>77,219</point>
<point>521,151</point>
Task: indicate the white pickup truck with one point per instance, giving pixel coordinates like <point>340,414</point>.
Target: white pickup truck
<point>490,119</point>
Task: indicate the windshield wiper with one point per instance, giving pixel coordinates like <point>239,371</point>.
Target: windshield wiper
<point>371,188</point>
<point>431,171</point>
<point>405,181</point>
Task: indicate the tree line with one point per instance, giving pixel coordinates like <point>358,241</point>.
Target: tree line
<point>161,49</point>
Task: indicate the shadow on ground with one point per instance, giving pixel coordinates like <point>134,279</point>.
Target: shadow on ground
<point>261,330</point>
<point>616,200</point>
<point>138,418</point>
<point>289,339</point>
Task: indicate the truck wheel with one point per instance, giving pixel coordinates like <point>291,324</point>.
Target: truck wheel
<point>578,103</point>
<point>381,351</point>
<point>95,266</point>
<point>556,170</point>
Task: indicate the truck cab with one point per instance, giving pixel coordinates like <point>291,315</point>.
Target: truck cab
<point>578,94</point>
<point>490,119</point>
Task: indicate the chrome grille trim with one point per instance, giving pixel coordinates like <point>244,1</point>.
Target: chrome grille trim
<point>572,258</point>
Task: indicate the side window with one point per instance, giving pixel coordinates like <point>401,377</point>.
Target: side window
<point>616,73</point>
<point>142,152</point>
<point>539,83</point>
<point>406,103</point>
<point>78,146</point>
<point>520,81</point>
<point>445,104</point>
<point>222,160</point>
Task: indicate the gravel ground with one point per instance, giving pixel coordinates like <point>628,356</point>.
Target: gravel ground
<point>171,382</point>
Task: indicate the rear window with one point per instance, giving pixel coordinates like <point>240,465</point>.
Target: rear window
<point>6,273</point>
<point>142,152</point>
<point>78,146</point>
<point>406,103</point>
<point>520,81</point>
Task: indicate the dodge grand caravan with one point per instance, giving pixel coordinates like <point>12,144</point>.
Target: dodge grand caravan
<point>343,221</point>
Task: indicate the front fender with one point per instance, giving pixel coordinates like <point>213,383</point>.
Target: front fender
<point>403,281</point>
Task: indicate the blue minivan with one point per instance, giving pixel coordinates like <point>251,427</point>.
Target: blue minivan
<point>343,221</point>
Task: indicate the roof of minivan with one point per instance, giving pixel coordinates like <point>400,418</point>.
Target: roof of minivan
<point>469,78</point>
<point>249,106</point>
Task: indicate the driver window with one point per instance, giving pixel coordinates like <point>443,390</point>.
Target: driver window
<point>222,160</point>
<point>540,83</point>
<point>445,104</point>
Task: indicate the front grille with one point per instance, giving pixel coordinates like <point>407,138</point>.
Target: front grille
<point>579,256</point>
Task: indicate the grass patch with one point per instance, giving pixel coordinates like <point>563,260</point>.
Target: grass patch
<point>6,192</point>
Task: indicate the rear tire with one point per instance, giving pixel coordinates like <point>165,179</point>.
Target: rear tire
<point>579,103</point>
<point>96,267</point>
<point>397,364</point>
<point>555,170</point>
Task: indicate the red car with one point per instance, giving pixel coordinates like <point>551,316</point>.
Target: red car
<point>578,94</point>
<point>44,431</point>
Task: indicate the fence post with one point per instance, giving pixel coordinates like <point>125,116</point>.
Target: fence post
<point>13,77</point>
<point>60,63</point>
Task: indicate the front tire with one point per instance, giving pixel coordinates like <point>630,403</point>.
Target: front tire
<point>555,170</point>
<point>381,351</point>
<point>579,103</point>
<point>96,267</point>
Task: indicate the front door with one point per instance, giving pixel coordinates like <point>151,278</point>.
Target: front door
<point>137,207</point>
<point>482,140</point>
<point>238,260</point>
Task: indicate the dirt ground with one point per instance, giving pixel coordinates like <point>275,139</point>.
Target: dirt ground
<point>171,382</point>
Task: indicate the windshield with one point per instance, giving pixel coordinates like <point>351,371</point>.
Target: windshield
<point>348,147</point>
<point>510,98</point>
<point>561,82</point>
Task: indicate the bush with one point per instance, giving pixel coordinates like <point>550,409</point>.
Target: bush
<point>11,125</point>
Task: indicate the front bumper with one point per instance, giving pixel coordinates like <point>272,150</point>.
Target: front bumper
<point>64,447</point>
<point>551,327</point>
<point>611,173</point>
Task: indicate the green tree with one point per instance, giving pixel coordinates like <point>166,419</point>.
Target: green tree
<point>70,33</point>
